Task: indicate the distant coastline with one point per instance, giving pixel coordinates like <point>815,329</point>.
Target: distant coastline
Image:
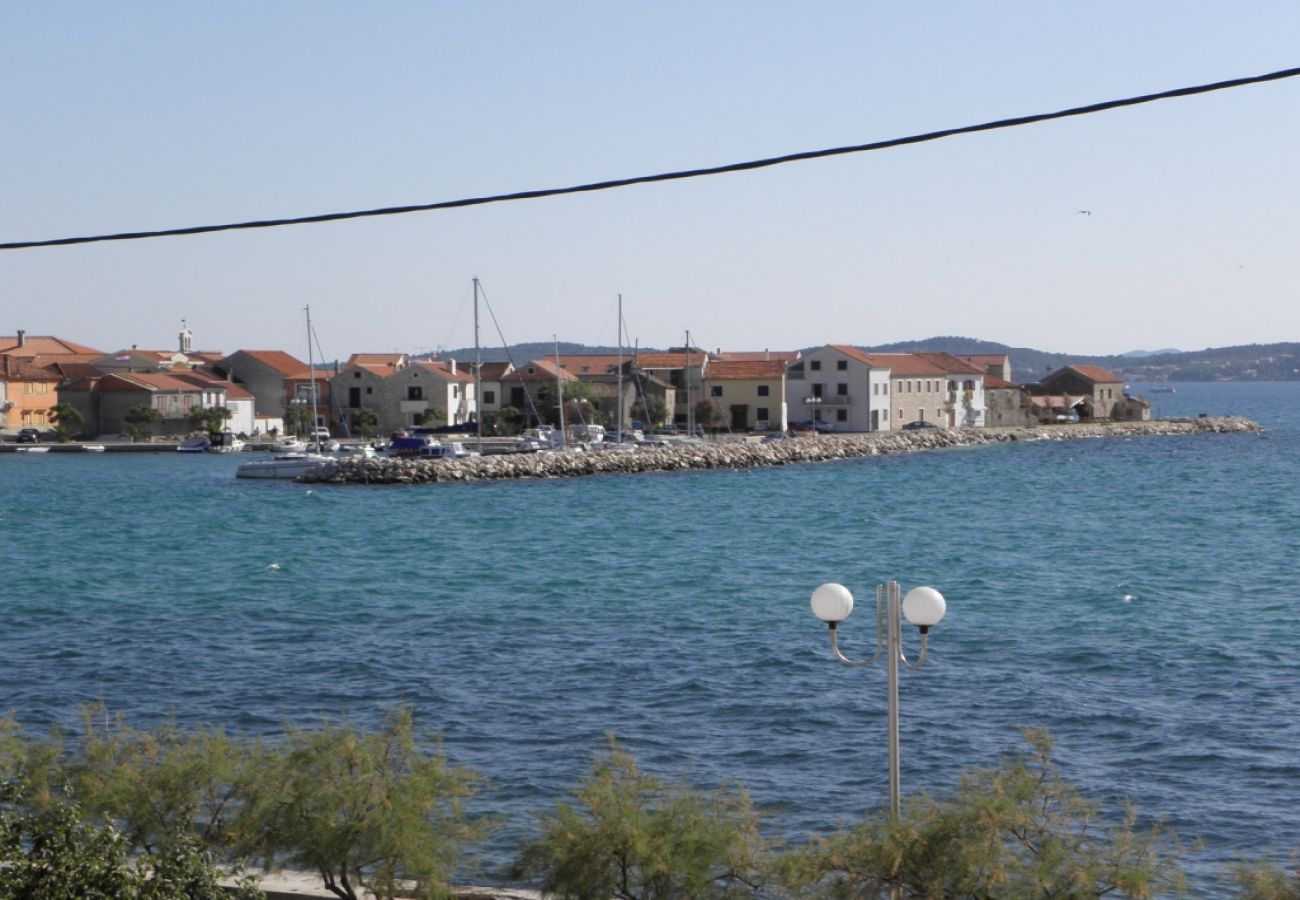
<point>742,454</point>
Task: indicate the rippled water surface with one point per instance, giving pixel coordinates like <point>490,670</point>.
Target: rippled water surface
<point>1135,597</point>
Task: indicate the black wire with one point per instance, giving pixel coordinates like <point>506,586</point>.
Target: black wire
<point>667,176</point>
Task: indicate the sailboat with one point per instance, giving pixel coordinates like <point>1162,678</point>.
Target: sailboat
<point>294,463</point>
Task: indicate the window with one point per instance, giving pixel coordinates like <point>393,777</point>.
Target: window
<point>414,392</point>
<point>489,396</point>
<point>841,415</point>
<point>763,392</point>
<point>370,390</point>
<point>762,414</point>
<point>817,389</point>
<point>455,390</point>
<point>715,390</point>
<point>356,374</point>
<point>841,389</point>
<point>842,365</point>
<point>815,365</point>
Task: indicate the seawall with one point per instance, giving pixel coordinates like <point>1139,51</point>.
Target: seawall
<point>739,454</point>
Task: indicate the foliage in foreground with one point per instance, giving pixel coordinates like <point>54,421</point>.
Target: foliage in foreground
<point>1016,831</point>
<point>55,854</point>
<point>113,811</point>
<point>637,837</point>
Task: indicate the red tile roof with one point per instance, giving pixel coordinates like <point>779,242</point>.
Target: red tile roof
<point>993,381</point>
<point>543,370</point>
<point>36,344</point>
<point>14,369</point>
<point>382,360</point>
<point>443,369</point>
<point>278,360</point>
<point>670,360</point>
<point>758,355</point>
<point>744,370</point>
<point>592,363</point>
<point>1097,374</point>
<point>493,371</point>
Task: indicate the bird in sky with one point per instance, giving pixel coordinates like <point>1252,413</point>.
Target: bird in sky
<point>1084,212</point>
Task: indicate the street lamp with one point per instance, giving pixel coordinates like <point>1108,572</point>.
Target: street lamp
<point>923,607</point>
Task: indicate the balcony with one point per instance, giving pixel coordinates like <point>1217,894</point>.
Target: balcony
<point>829,400</point>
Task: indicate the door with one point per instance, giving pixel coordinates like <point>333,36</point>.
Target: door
<point>740,417</point>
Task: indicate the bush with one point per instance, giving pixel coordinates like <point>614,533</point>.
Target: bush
<point>1017,831</point>
<point>54,854</point>
<point>637,837</point>
<point>362,809</point>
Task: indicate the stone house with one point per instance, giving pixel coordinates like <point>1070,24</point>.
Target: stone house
<point>1100,393</point>
<point>272,377</point>
<point>1007,404</point>
<point>399,391</point>
<point>748,394</point>
<point>933,387</point>
<point>104,402</point>
<point>491,377</point>
<point>683,369</point>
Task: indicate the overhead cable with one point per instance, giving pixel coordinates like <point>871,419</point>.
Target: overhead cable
<point>664,176</point>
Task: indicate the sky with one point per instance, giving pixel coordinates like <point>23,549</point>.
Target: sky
<point>148,115</point>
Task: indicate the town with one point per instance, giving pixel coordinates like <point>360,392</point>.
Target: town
<point>51,387</point>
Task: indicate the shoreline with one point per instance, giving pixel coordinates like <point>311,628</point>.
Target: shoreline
<point>742,454</point>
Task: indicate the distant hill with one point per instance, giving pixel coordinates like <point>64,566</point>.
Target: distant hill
<point>1249,362</point>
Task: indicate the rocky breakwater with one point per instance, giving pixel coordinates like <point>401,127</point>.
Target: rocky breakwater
<point>736,454</point>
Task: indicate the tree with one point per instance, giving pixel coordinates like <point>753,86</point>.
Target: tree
<point>142,419</point>
<point>365,810</point>
<point>637,837</point>
<point>432,416</point>
<point>364,421</point>
<point>210,419</point>
<point>299,419</point>
<point>651,410</point>
<point>1016,831</point>
<point>579,404</point>
<point>509,420</point>
<point>67,419</point>
<point>55,854</point>
<point>707,414</point>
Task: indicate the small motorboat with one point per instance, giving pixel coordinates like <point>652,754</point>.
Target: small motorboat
<point>194,445</point>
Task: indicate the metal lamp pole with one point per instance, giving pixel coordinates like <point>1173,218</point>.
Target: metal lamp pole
<point>923,607</point>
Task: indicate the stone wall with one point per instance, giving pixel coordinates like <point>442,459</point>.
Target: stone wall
<point>737,455</point>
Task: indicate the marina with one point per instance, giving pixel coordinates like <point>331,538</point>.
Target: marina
<point>522,621</point>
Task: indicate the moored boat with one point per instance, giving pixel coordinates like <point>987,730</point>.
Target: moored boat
<point>285,466</point>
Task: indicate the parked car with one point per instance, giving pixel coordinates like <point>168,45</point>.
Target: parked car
<point>818,426</point>
<point>917,426</point>
<point>29,436</point>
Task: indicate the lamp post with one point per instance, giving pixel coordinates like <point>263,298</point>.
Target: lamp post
<point>813,403</point>
<point>923,607</point>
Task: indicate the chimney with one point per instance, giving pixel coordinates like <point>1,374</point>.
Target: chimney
<point>22,338</point>
<point>766,356</point>
<point>452,364</point>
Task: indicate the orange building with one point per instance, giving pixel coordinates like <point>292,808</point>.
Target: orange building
<point>27,394</point>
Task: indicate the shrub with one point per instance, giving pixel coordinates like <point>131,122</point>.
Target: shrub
<point>636,837</point>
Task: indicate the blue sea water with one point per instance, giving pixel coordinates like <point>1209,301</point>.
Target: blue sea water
<point>1135,597</point>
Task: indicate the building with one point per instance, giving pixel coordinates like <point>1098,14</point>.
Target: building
<point>271,377</point>
<point>25,346</point>
<point>841,386</point>
<point>403,394</point>
<point>1087,393</point>
<point>105,402</point>
<point>748,394</point>
<point>28,394</point>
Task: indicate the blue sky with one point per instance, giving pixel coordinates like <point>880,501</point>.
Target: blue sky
<point>134,116</point>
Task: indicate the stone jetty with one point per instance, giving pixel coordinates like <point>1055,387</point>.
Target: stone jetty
<point>738,454</point>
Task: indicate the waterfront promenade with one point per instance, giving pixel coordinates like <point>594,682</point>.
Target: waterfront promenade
<point>741,454</point>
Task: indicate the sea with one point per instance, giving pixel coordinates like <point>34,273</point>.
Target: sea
<point>1135,597</point>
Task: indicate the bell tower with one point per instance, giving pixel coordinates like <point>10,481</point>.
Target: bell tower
<point>186,338</point>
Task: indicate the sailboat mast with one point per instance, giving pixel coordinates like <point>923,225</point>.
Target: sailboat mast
<point>619,430</point>
<point>478,376</point>
<point>559,391</point>
<point>690,407</point>
<point>311,370</point>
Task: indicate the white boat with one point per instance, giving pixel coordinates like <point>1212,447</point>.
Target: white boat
<point>285,466</point>
<point>33,449</point>
<point>289,445</point>
<point>92,448</point>
<point>194,445</point>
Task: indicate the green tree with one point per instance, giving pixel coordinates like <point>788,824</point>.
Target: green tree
<point>67,419</point>
<point>365,810</point>
<point>364,421</point>
<point>209,419</point>
<point>651,410</point>
<point>55,854</point>
<point>433,416</point>
<point>299,419</point>
<point>707,414</point>
<point>580,404</point>
<point>509,420</point>
<point>1266,880</point>
<point>141,420</point>
<point>1016,831</point>
<point>637,837</point>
